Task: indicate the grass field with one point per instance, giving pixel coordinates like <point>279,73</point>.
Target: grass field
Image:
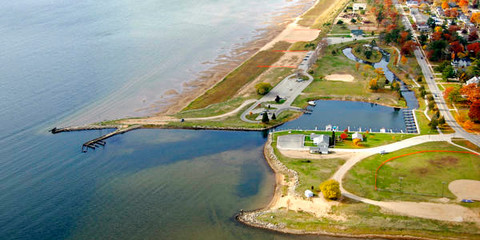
<point>374,140</point>
<point>376,55</point>
<point>361,218</point>
<point>213,110</point>
<point>419,174</point>
<point>244,74</point>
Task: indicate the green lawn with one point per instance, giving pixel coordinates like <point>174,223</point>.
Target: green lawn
<point>417,174</point>
<point>361,218</point>
<point>423,124</point>
<point>212,110</point>
<point>374,140</point>
<point>465,143</point>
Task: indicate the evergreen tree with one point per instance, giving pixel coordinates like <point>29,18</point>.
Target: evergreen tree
<point>265,118</point>
<point>273,116</point>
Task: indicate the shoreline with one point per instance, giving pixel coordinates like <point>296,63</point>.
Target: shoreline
<point>222,67</point>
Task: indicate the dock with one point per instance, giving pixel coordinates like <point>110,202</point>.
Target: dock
<point>410,121</point>
<point>100,141</point>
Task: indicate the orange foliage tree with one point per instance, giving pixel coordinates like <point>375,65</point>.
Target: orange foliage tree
<point>445,5</point>
<point>468,124</point>
<point>403,60</point>
<point>475,18</point>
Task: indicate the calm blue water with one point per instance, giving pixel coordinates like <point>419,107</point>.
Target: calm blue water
<point>346,114</point>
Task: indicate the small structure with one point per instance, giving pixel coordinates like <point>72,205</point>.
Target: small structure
<point>475,80</point>
<point>359,6</point>
<point>357,33</point>
<point>412,3</point>
<point>308,193</point>
<point>322,142</point>
<point>357,135</point>
<point>461,62</point>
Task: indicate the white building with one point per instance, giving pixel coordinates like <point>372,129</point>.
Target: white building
<point>357,135</point>
<point>321,141</point>
<point>475,80</point>
<point>359,6</point>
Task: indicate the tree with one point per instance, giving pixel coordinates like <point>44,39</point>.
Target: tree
<point>373,84</point>
<point>263,88</point>
<point>277,99</point>
<point>395,85</point>
<point>448,72</point>
<point>433,123</point>
<point>475,18</point>
<point>472,91</point>
<point>368,53</point>
<point>474,112</point>
<point>441,120</point>
<point>331,189</point>
<point>344,136</point>
<point>403,60</point>
<point>265,117</point>
<point>420,79</point>
<point>357,65</point>
<point>468,125</point>
<point>274,117</point>
<point>445,5</point>
<point>473,36</point>
<point>356,141</point>
<point>340,22</point>
<point>474,48</point>
<point>422,39</point>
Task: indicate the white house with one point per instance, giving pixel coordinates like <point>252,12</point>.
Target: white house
<point>475,80</point>
<point>412,3</point>
<point>357,135</point>
<point>359,6</point>
<point>321,141</point>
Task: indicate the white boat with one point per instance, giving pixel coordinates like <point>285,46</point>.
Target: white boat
<point>311,103</point>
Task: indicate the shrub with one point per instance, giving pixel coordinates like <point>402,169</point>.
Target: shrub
<point>265,118</point>
<point>263,88</point>
<point>340,22</point>
<point>330,189</point>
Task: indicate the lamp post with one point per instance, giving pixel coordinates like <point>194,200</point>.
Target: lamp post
<point>443,187</point>
<point>401,179</point>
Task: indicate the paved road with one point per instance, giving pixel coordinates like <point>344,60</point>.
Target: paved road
<point>289,88</point>
<point>430,79</point>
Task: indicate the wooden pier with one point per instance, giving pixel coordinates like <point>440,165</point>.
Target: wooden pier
<point>100,141</point>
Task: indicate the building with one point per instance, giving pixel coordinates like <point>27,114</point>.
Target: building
<point>412,3</point>
<point>357,33</point>
<point>475,80</point>
<point>359,6</point>
<point>461,62</point>
<point>357,135</point>
<point>322,143</point>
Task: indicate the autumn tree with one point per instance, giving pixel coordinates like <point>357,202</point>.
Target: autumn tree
<point>343,136</point>
<point>474,48</point>
<point>331,189</point>
<point>403,59</point>
<point>373,84</point>
<point>263,88</point>
<point>475,18</point>
<point>468,125</point>
<point>474,112</point>
<point>356,141</point>
<point>445,5</point>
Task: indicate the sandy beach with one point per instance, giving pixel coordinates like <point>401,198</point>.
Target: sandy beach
<point>282,28</point>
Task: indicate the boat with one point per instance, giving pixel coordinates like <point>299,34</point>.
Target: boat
<point>311,103</point>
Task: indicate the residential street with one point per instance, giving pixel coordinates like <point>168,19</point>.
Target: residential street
<point>438,96</point>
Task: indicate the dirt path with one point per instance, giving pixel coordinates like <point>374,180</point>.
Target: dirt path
<point>465,189</point>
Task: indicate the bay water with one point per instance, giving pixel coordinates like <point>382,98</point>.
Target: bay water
<point>65,61</point>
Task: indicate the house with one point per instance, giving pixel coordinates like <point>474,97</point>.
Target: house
<point>412,3</point>
<point>461,62</point>
<point>423,28</point>
<point>356,33</point>
<point>322,143</point>
<point>475,80</point>
<point>359,6</point>
<point>357,135</point>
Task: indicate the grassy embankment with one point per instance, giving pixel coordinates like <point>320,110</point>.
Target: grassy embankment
<point>335,62</point>
<point>419,176</point>
<point>244,74</point>
<point>352,217</point>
